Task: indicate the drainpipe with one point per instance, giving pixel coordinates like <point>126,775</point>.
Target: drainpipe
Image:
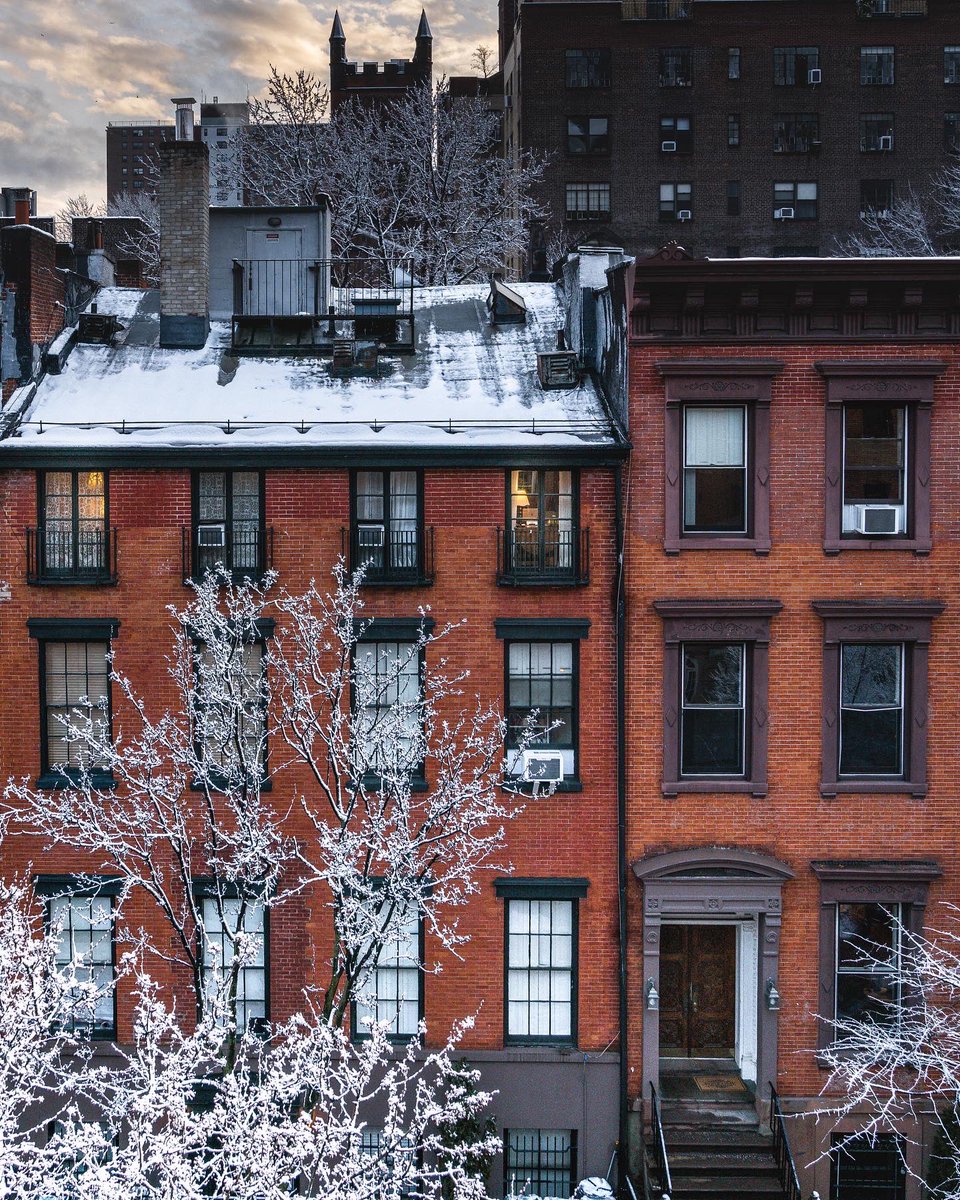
<point>619,604</point>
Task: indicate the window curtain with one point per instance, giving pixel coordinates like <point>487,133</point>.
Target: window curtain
<point>403,518</point>
<point>714,437</point>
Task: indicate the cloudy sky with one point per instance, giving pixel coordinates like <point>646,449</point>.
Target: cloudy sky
<point>71,66</point>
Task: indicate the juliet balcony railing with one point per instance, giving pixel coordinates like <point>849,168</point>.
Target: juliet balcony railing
<point>313,306</point>
<point>397,557</point>
<point>891,8</point>
<point>57,554</point>
<point>530,554</point>
<point>243,552</point>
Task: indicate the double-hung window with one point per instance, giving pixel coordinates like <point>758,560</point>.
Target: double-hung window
<point>388,704</point>
<point>231,712</point>
<point>543,541</point>
<point>676,135</point>
<point>875,708</point>
<point>228,525</point>
<point>733,62</point>
<point>676,201</point>
<point>392,993</point>
<point>72,542</point>
<point>82,923</point>
<point>540,1162</point>
<point>74,689</point>
<point>951,131</point>
<point>876,66</point>
<point>715,694</point>
<point>733,130</point>
<point>588,135</point>
<point>795,200</point>
<point>715,470</point>
<point>541,952</point>
<point>875,449</point>
<point>387,528</point>
<point>868,962</point>
<point>234,943</point>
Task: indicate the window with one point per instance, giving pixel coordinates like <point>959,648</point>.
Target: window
<point>865,906</point>
<point>400,1162</point>
<point>675,68</point>
<point>875,707</point>
<point>540,1162</point>
<point>867,1169</point>
<point>83,925</point>
<point>951,65</point>
<point>676,198</point>
<point>387,531</point>
<point>387,688</point>
<point>222,132</point>
<point>877,462</point>
<point>876,132</point>
<point>733,62</point>
<point>231,713</point>
<point>542,534</point>
<point>876,66</point>
<point>587,68</point>
<point>792,65</point>
<point>227,921</point>
<point>795,133</point>
<point>588,201</point>
<point>228,529</point>
<point>717,453</point>
<point>74,686</point>
<point>72,542</point>
<point>676,134</point>
<point>541,941</point>
<point>951,131</point>
<point>714,699</point>
<point>876,197</point>
<point>541,678</point>
<point>733,202</point>
<point>800,199</point>
<point>733,129</point>
<point>392,993</point>
<point>588,135</point>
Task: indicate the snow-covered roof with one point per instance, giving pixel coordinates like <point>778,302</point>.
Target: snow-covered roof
<point>469,384</point>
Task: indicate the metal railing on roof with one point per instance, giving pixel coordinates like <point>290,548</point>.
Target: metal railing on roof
<point>533,425</point>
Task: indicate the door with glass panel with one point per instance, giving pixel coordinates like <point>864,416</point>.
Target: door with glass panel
<point>73,534</point>
<point>386,533</point>
<point>542,539</point>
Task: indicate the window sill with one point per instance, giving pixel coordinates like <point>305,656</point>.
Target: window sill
<point>919,546</point>
<point>53,781</point>
<point>72,580</point>
<point>525,786</point>
<point>718,542</point>
<point>557,1044</point>
<point>539,581</point>
<point>754,787</point>
<point>873,787</point>
<point>399,582</point>
<point>371,783</point>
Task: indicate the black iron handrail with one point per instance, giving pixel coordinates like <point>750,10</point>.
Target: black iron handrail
<point>58,553</point>
<point>534,554</point>
<point>244,552</point>
<point>390,556</point>
<point>660,1145</point>
<point>781,1149</point>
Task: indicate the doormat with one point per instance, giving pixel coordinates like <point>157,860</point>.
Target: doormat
<point>720,1083</point>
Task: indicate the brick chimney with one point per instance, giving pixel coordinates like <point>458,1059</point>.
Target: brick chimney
<point>31,302</point>
<point>183,198</point>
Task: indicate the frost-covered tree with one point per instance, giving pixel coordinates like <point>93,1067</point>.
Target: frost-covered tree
<point>419,181</point>
<point>75,206</point>
<point>922,223</point>
<point>897,1064</point>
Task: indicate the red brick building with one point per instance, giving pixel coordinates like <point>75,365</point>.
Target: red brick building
<point>789,533</point>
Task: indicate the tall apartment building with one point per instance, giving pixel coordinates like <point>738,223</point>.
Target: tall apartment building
<point>741,127</point>
<point>132,148</point>
<point>219,128</point>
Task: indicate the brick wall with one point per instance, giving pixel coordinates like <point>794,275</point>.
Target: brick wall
<point>183,200</point>
<point>29,260</point>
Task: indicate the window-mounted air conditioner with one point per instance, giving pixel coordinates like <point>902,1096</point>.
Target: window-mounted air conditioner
<point>369,537</point>
<point>541,766</point>
<point>783,214</point>
<point>668,147</point>
<point>814,75</point>
<point>879,519</point>
<point>886,141</point>
<point>684,214</point>
<point>212,536</point>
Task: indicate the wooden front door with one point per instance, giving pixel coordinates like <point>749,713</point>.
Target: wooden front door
<point>697,990</point>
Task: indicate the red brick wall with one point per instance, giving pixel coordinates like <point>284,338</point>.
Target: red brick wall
<point>568,835</point>
<point>792,822</point>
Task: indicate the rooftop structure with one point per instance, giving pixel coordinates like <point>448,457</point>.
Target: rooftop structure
<point>374,83</point>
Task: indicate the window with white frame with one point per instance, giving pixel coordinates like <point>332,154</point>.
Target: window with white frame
<point>234,940</point>
<point>541,1162</point>
<point>868,962</point>
<point>83,927</point>
<point>875,454</point>
<point>391,993</point>
<point>715,469</point>
<point>388,700</point>
<point>871,709</point>
<point>541,943</point>
<point>231,711</point>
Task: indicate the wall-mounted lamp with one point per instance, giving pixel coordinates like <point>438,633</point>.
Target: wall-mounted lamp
<point>274,222</point>
<point>653,996</point>
<point>773,996</point>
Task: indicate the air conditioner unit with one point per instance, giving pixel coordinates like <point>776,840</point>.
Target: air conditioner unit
<point>814,75</point>
<point>668,147</point>
<point>886,141</point>
<point>541,766</point>
<point>783,214</point>
<point>684,214</point>
<point>211,536</point>
<point>369,537</point>
<point>879,519</point>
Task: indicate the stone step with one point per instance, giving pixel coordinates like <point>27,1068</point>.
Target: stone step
<point>703,1113</point>
<point>720,1187</point>
<point>724,1162</point>
<point>680,1138</point>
